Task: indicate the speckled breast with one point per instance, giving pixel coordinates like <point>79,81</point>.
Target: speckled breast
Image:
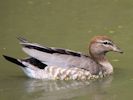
<point>59,73</point>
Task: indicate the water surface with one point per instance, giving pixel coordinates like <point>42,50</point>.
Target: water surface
<point>67,24</point>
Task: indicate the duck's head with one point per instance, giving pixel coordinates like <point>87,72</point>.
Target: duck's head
<point>100,45</point>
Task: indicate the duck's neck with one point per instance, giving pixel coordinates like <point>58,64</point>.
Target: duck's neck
<point>102,60</point>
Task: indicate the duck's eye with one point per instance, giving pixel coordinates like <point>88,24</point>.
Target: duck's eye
<point>107,43</point>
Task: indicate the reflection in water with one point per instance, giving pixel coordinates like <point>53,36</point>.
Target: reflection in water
<point>58,90</point>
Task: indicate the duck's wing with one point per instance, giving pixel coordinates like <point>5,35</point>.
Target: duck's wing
<point>51,50</point>
<point>51,55</point>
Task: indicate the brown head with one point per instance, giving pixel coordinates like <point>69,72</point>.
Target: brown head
<point>100,45</point>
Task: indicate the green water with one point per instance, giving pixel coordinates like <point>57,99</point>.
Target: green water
<point>67,24</point>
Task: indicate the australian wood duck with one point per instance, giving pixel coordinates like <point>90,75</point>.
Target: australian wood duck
<point>57,63</point>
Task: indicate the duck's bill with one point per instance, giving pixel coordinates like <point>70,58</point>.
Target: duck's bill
<point>117,49</point>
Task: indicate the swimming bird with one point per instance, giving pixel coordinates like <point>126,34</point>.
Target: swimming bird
<point>58,63</point>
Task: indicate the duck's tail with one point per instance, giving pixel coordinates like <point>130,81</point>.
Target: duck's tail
<point>26,62</point>
<point>14,60</point>
<point>31,66</point>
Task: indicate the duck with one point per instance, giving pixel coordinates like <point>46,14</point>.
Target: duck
<point>57,63</point>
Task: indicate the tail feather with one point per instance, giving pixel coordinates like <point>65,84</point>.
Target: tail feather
<point>13,60</point>
<point>22,40</point>
<point>25,43</point>
<point>32,61</point>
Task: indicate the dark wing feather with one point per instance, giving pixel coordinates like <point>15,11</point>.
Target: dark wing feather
<point>35,62</point>
<point>50,50</point>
